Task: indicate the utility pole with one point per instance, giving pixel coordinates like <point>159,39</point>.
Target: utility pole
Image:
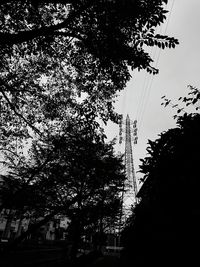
<point>129,196</point>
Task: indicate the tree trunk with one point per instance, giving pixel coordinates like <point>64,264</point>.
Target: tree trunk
<point>76,239</point>
<point>19,228</point>
<point>6,232</point>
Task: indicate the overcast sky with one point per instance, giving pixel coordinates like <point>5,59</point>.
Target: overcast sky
<point>178,68</point>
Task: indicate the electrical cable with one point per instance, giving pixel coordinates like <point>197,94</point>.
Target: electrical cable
<point>152,77</point>
<point>148,80</point>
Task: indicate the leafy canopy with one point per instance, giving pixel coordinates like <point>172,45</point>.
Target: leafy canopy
<point>65,60</point>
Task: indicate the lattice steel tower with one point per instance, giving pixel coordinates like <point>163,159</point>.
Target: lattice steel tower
<point>130,186</point>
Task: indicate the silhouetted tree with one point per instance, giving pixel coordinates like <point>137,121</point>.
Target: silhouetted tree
<point>76,174</point>
<point>75,46</point>
<point>165,225</point>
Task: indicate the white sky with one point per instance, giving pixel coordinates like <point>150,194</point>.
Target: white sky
<point>178,68</point>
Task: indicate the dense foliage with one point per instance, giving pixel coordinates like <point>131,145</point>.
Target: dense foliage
<point>75,175</point>
<point>52,51</point>
<point>167,219</point>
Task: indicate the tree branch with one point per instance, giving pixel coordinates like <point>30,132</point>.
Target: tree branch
<point>14,109</point>
<point>10,151</point>
<point>24,36</point>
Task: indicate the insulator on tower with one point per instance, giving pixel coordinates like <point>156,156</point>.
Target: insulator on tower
<point>135,132</point>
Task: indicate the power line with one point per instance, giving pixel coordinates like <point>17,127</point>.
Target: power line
<point>152,77</point>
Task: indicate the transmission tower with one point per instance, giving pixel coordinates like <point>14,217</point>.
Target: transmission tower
<point>129,198</point>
